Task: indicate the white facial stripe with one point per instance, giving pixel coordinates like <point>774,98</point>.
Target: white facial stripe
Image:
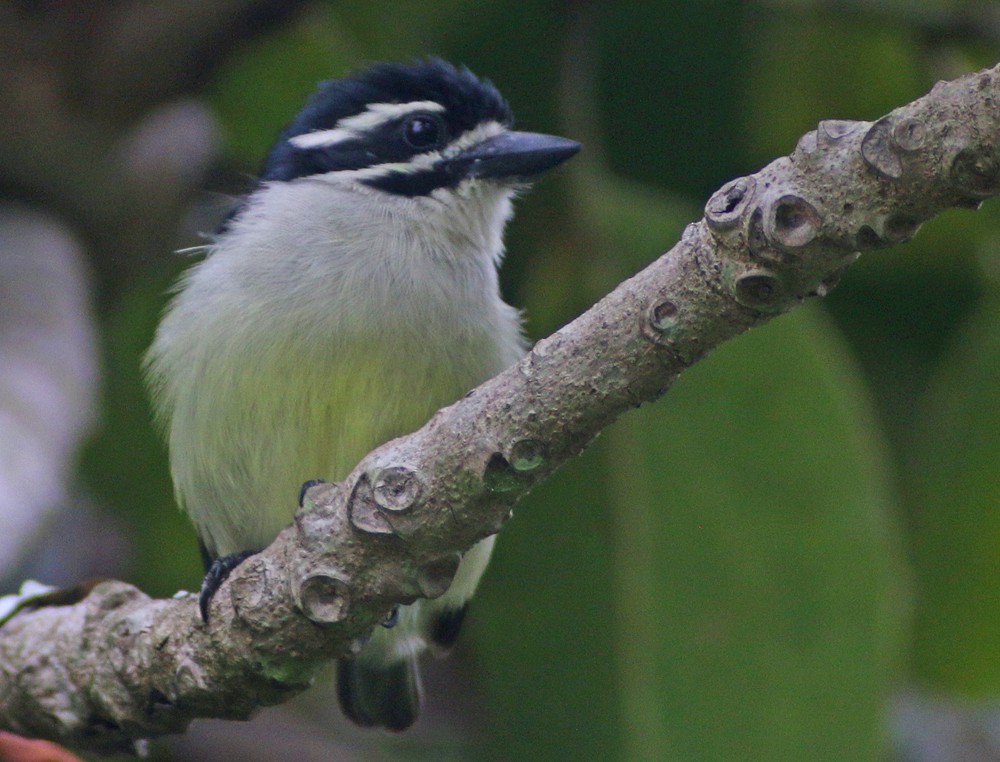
<point>466,140</point>
<point>321,138</point>
<point>380,113</point>
<point>352,127</point>
<point>425,160</point>
<point>367,173</point>
<point>469,138</point>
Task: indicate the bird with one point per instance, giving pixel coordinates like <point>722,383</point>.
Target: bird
<point>349,295</point>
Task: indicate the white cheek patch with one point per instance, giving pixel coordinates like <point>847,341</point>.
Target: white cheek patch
<point>352,127</point>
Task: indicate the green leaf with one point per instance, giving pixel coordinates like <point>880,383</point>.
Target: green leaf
<point>125,466</point>
<point>716,579</point>
<point>263,86</point>
<point>954,502</point>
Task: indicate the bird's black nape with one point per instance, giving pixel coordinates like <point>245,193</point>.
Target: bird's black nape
<point>466,100</point>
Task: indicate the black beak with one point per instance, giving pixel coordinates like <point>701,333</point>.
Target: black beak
<point>510,155</point>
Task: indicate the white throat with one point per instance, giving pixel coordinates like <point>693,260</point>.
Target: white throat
<point>326,320</point>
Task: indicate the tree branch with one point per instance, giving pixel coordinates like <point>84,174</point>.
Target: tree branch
<point>119,666</point>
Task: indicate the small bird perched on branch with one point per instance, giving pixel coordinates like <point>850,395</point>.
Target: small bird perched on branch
<point>349,296</point>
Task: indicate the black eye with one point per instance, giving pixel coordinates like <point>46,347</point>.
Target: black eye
<point>423,131</point>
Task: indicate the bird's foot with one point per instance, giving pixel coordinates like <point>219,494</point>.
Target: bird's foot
<point>218,573</point>
<point>306,486</point>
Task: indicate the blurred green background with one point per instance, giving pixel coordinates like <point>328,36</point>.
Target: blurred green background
<point>807,524</point>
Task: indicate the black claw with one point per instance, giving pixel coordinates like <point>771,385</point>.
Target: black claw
<point>392,620</point>
<point>306,486</point>
<point>218,573</point>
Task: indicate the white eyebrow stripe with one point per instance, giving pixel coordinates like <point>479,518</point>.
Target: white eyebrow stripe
<point>380,113</point>
<point>351,127</point>
<point>321,138</point>
<point>422,161</point>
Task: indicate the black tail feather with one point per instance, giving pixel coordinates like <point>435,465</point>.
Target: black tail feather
<point>379,695</point>
<point>445,627</point>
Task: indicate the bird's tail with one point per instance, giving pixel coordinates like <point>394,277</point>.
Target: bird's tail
<point>380,695</point>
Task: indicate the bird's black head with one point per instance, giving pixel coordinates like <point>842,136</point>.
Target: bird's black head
<point>409,129</point>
